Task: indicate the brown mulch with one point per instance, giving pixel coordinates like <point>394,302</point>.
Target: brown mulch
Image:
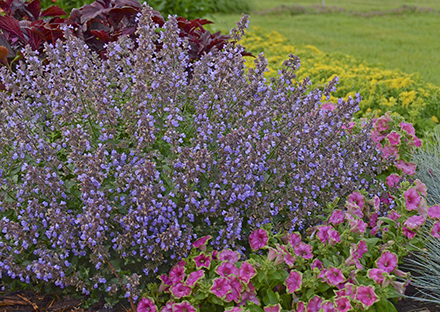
<point>29,301</point>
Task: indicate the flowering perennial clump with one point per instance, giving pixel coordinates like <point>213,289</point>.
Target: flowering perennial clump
<point>113,167</point>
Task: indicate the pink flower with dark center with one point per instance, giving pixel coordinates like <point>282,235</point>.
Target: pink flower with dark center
<point>237,288</point>
<point>382,123</point>
<point>435,231</point>
<point>328,106</point>
<point>389,150</point>
<point>294,239</point>
<point>343,304</point>
<point>420,187</point>
<point>377,275</point>
<point>293,282</point>
<point>434,212</point>
<point>334,237</point>
<point>179,290</point>
<point>392,180</point>
<point>412,199</point>
<point>314,304</point>
<point>353,261</point>
<point>168,307</point>
<point>358,226</point>
<point>202,261</point>
<point>214,255</point>
<point>406,167</point>
<point>376,136</point>
<point>194,277</point>
<point>414,222</point>
<point>366,295</point>
<point>226,268</point>
<point>394,138</point>
<point>323,233</point>
<point>350,290</point>
<point>303,250</point>
<point>393,215</point>
<point>229,255</point>
<point>408,128</point>
<point>387,262</point>
<point>146,305</point>
<point>166,283</point>
<point>177,274</point>
<point>373,219</point>
<point>273,308</point>
<point>201,242</point>
<point>221,287</point>
<point>246,272</point>
<point>408,233</point>
<point>258,239</point>
<point>337,217</point>
<point>301,307</point>
<point>328,306</point>
<point>416,141</point>
<point>184,306</point>
<point>334,276</point>
<point>289,259</point>
<point>357,198</point>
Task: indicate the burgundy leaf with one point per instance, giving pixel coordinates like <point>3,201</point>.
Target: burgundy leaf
<point>53,10</point>
<point>11,25</point>
<point>102,35</point>
<point>34,8</point>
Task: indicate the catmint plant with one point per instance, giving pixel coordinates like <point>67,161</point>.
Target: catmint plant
<point>109,169</point>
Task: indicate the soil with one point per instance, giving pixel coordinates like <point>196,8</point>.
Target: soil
<point>29,301</point>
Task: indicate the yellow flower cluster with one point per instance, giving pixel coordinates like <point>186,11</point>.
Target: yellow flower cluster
<point>382,90</point>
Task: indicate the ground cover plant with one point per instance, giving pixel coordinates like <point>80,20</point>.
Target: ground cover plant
<point>407,42</point>
<point>382,90</point>
<point>99,191</point>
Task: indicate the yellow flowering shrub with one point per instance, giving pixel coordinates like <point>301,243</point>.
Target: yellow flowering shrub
<point>382,89</point>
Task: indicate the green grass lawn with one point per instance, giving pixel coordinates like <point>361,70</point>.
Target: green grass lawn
<point>409,41</point>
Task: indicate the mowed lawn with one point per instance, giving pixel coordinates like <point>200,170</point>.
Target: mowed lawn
<point>409,41</point>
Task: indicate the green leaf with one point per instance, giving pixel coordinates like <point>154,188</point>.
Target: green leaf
<point>201,296</point>
<point>384,305</point>
<point>271,298</point>
<point>216,300</point>
<point>252,307</point>
<point>310,293</point>
<point>388,221</point>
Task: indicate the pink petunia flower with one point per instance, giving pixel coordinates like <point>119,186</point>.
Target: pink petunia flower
<point>393,215</point>
<point>334,276</point>
<point>179,290</point>
<point>303,250</point>
<point>289,259</point>
<point>184,306</point>
<point>408,233</point>
<point>337,217</point>
<point>226,268</point>
<point>237,288</point>
<point>146,305</point>
<point>301,307</point>
<point>316,264</point>
<point>201,242</point>
<point>168,307</point>
<point>246,272</point>
<point>294,281</point>
<point>229,255</point>
<point>361,249</point>
<point>394,138</point>
<point>412,199</point>
<point>377,275</point>
<point>177,274</point>
<point>420,187</point>
<point>249,296</point>
<point>435,231</point>
<point>166,283</point>
<point>357,198</point>
<point>323,233</point>
<point>328,306</point>
<point>294,239</point>
<point>221,287</point>
<point>414,222</point>
<point>343,304</point>
<point>258,239</point>
<point>314,304</point>
<point>366,295</point>
<point>416,141</point>
<point>387,262</point>
<point>376,136</point>
<point>392,180</point>
<point>202,261</point>
<point>373,219</point>
<point>434,212</point>
<point>382,123</point>
<point>408,128</point>
<point>357,226</point>
<point>390,150</point>
<point>406,167</point>
<point>334,237</point>
<point>351,124</point>
<point>194,277</point>
<point>273,308</point>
